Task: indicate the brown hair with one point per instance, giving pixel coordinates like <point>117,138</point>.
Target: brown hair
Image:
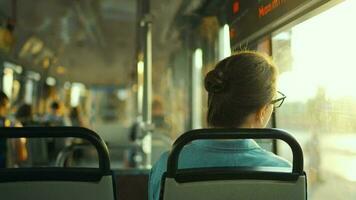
<point>238,86</point>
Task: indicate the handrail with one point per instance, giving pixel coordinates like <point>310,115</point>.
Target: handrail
<point>206,134</point>
<point>64,154</point>
<point>63,132</point>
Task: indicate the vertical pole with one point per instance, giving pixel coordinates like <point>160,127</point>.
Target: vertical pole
<point>140,78</point>
<point>147,97</point>
<point>147,84</point>
<point>147,87</point>
<point>139,59</point>
<point>274,116</point>
<point>197,64</point>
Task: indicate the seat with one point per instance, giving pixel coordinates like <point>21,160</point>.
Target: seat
<point>234,183</point>
<point>57,183</point>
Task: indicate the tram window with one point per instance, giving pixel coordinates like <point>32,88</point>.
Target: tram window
<point>317,73</point>
<point>76,91</point>
<point>8,81</point>
<point>224,42</point>
<point>196,89</point>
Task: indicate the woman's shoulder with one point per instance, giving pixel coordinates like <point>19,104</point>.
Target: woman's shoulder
<point>162,161</point>
<point>160,165</point>
<point>260,156</point>
<point>269,159</point>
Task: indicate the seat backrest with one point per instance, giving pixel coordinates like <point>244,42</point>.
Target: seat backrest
<point>231,183</point>
<point>58,183</point>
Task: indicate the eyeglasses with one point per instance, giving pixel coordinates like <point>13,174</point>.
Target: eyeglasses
<point>279,101</point>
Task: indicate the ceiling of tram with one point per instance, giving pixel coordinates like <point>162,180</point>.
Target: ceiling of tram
<point>90,41</point>
<point>88,38</point>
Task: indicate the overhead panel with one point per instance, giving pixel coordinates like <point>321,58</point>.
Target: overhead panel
<point>250,20</point>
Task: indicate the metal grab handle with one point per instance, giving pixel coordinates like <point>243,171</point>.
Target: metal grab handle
<point>63,132</point>
<point>67,151</point>
<point>206,134</point>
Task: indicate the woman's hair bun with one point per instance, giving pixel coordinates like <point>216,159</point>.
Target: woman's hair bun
<point>215,81</point>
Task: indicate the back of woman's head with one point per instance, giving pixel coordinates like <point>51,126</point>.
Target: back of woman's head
<point>239,86</point>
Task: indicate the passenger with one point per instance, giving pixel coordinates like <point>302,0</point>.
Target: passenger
<point>17,147</point>
<point>24,115</point>
<point>37,148</point>
<point>77,120</point>
<point>241,94</point>
<point>56,116</point>
<point>76,117</point>
<point>4,122</point>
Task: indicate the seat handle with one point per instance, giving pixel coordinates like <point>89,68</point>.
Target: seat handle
<point>224,134</point>
<point>63,132</point>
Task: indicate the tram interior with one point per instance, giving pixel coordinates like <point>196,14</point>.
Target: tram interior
<point>82,63</point>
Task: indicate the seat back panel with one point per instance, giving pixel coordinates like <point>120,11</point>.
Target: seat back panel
<point>58,190</point>
<point>236,189</point>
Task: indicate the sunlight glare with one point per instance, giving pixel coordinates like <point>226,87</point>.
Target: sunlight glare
<point>323,51</point>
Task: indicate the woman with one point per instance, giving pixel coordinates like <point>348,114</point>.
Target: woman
<point>242,94</point>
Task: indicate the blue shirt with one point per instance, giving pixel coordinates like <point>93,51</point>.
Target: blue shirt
<point>209,153</point>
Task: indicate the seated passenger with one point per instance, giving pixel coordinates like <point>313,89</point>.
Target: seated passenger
<point>76,117</point>
<point>12,152</point>
<point>25,115</point>
<point>242,94</point>
<point>56,117</point>
<point>4,122</point>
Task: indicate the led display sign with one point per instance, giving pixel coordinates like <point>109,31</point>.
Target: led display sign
<point>250,19</point>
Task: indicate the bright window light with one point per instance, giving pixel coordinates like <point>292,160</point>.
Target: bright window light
<point>140,67</point>
<point>8,81</point>
<point>33,75</point>
<point>122,94</point>
<point>51,81</point>
<point>224,42</point>
<point>140,71</point>
<point>198,59</point>
<point>67,85</point>
<point>316,59</point>
<point>196,88</point>
<point>16,68</point>
<point>323,51</point>
<point>76,90</point>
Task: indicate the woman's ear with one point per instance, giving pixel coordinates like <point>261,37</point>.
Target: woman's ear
<point>261,115</point>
